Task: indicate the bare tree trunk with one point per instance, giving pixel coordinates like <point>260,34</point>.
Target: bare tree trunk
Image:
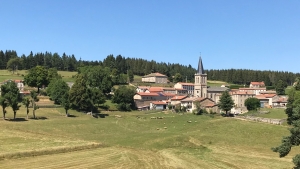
<point>67,115</point>
<point>15,114</point>
<point>33,112</point>
<point>27,112</point>
<point>4,114</point>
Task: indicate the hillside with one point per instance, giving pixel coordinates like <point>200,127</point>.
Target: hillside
<point>134,140</point>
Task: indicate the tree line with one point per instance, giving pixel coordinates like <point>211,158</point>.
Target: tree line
<point>141,67</point>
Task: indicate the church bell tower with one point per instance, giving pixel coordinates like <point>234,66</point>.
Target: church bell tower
<point>200,86</point>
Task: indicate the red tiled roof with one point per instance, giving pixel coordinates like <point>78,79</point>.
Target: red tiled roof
<point>155,89</point>
<point>258,83</point>
<point>147,94</point>
<point>210,105</point>
<point>168,88</point>
<point>268,95</point>
<point>178,97</point>
<point>155,75</point>
<point>18,81</point>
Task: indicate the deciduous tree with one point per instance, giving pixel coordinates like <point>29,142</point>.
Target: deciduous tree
<point>56,90</point>
<point>37,77</point>
<point>177,78</point>
<point>293,112</point>
<point>124,97</point>
<point>65,102</point>
<point>252,103</point>
<point>26,103</point>
<point>13,96</point>
<point>33,100</point>
<point>13,64</point>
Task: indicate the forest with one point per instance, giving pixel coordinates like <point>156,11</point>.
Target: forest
<point>141,67</point>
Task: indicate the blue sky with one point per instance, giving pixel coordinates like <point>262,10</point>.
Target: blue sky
<point>254,34</point>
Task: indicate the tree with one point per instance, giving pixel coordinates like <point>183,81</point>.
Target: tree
<point>177,78</point>
<point>26,103</point>
<point>252,103</point>
<point>65,102</point>
<point>226,103</point>
<point>4,104</point>
<point>297,83</point>
<point>280,87</point>
<point>37,77</point>
<point>293,112</point>
<point>56,90</point>
<point>77,92</point>
<point>13,64</point>
<point>130,76</point>
<point>33,100</point>
<point>3,99</point>
<point>124,97</point>
<point>13,96</point>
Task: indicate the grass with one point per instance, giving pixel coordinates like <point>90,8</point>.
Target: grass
<point>273,113</point>
<point>6,75</point>
<point>81,141</point>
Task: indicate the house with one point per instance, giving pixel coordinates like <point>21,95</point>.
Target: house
<point>205,103</point>
<point>19,83</point>
<point>177,99</point>
<point>149,96</point>
<point>155,78</point>
<point>279,101</point>
<point>212,92</point>
<point>156,89</point>
<point>256,91</point>
<point>142,105</point>
<point>158,105</point>
<point>257,85</point>
<point>169,90</point>
<point>239,97</point>
<point>189,87</point>
<point>142,89</point>
<point>265,99</point>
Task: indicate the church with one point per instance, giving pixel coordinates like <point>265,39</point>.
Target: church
<point>201,89</point>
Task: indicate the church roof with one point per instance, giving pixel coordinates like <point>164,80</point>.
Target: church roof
<point>200,67</point>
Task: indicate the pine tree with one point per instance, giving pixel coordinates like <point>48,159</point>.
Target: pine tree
<point>226,103</point>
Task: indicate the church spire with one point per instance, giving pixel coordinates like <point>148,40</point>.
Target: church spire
<point>200,67</point>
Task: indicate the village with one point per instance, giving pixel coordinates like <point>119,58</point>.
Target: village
<point>185,94</point>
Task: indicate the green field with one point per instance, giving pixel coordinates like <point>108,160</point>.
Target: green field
<point>6,75</point>
<point>81,141</point>
<point>274,113</point>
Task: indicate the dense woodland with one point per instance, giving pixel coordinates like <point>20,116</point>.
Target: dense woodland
<point>142,67</point>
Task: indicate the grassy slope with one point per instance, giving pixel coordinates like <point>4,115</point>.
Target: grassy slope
<point>129,142</point>
<point>273,113</point>
<point>5,75</point>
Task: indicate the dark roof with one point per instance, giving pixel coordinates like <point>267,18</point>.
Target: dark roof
<point>200,67</point>
<point>217,89</point>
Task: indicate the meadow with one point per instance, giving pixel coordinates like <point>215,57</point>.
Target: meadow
<point>6,75</point>
<point>137,141</point>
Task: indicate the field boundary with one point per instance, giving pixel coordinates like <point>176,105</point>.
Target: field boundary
<point>49,151</point>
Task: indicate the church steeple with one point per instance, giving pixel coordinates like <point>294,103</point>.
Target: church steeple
<point>200,66</point>
<point>200,86</point>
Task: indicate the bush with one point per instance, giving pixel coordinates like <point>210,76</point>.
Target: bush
<point>43,92</point>
<point>124,107</point>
